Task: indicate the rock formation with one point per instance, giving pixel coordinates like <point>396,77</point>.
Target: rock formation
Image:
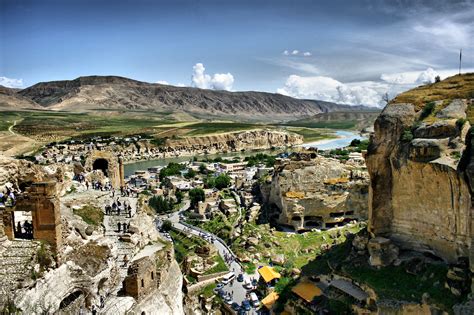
<point>420,163</point>
<point>189,146</point>
<point>317,193</point>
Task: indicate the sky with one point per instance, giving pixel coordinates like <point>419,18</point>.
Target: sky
<point>350,52</point>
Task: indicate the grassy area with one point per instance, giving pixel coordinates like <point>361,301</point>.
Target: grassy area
<point>391,282</point>
<point>204,128</point>
<point>347,124</point>
<point>207,291</point>
<point>183,244</point>
<point>220,267</point>
<point>8,118</point>
<point>298,249</point>
<point>218,225</point>
<point>312,134</point>
<point>458,86</point>
<point>66,125</point>
<point>90,214</point>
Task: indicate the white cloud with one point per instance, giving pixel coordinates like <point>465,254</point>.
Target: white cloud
<point>162,82</point>
<point>11,83</point>
<point>219,81</point>
<point>286,53</point>
<point>295,52</point>
<point>307,54</point>
<point>180,84</point>
<point>367,93</point>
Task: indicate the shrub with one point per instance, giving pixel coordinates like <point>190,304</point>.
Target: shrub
<point>460,123</point>
<point>407,135</point>
<point>427,110</point>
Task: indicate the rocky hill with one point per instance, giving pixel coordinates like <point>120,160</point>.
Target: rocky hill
<point>421,167</point>
<point>10,99</point>
<point>118,93</point>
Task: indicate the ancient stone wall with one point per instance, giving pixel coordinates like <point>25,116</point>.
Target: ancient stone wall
<point>41,199</point>
<point>141,279</point>
<point>96,159</point>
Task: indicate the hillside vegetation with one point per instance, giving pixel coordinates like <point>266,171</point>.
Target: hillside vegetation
<point>458,86</point>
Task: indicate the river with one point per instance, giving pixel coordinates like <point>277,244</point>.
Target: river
<point>343,139</point>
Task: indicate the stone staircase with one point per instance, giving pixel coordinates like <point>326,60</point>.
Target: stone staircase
<point>16,262</point>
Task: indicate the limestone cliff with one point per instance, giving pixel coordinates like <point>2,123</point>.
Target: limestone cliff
<point>189,146</point>
<point>420,196</point>
<point>318,193</point>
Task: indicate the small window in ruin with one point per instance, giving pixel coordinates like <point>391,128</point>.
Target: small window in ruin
<point>152,276</point>
<point>143,283</point>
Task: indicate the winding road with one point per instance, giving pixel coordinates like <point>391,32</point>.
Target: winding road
<point>236,288</point>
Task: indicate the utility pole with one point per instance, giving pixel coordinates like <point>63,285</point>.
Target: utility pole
<point>460,60</point>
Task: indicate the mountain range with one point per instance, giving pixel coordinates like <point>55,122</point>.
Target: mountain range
<point>92,93</point>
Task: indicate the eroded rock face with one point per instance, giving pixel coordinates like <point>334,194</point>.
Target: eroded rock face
<point>318,193</point>
<point>419,196</point>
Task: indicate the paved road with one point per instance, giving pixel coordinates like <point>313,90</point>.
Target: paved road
<point>237,289</point>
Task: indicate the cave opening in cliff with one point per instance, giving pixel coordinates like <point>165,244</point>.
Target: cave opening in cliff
<point>70,299</point>
<point>101,164</point>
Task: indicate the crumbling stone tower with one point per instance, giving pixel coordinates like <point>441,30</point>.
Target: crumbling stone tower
<point>41,199</point>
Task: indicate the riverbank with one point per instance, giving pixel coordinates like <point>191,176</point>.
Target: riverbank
<point>343,139</point>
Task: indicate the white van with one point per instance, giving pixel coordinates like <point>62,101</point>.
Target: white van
<point>254,299</point>
<point>228,278</point>
<point>247,284</point>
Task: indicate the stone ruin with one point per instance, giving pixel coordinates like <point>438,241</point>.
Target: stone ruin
<point>109,164</point>
<point>42,201</point>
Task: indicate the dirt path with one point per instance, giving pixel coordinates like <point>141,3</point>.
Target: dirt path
<point>10,129</point>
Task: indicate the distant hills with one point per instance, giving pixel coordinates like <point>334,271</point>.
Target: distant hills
<point>92,93</point>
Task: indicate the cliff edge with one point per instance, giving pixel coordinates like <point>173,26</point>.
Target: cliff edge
<point>420,163</point>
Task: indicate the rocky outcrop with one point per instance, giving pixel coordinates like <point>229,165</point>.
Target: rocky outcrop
<point>236,141</point>
<point>317,193</point>
<point>419,196</point>
<point>18,172</point>
<point>189,146</point>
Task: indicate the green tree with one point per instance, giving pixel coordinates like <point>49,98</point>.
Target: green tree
<point>190,174</point>
<point>171,170</point>
<point>222,181</point>
<point>179,196</point>
<point>160,204</point>
<point>167,225</point>
<point>202,168</point>
<point>196,195</point>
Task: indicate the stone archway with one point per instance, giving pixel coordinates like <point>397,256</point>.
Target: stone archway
<point>110,165</point>
<point>101,164</point>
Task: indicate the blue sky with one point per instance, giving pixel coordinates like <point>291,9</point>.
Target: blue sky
<point>345,51</point>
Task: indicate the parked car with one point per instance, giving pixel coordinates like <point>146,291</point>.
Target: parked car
<point>235,306</point>
<point>254,299</point>
<point>240,277</point>
<point>219,285</point>
<point>246,305</point>
<point>221,293</point>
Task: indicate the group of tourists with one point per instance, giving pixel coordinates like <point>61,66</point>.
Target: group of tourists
<point>117,207</point>
<point>123,227</point>
<point>7,198</point>
<point>24,230</point>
